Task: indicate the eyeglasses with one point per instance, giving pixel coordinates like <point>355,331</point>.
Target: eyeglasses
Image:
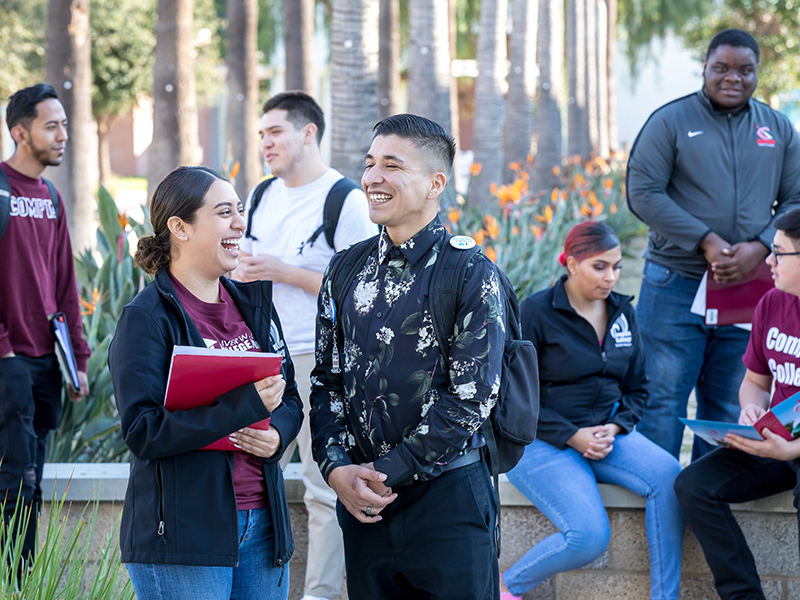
<point>777,254</point>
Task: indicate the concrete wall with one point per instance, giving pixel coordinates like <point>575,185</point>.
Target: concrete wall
<point>770,526</point>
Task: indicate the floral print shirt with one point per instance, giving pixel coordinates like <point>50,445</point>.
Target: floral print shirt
<point>385,396</point>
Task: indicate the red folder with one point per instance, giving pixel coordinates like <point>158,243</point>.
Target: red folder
<point>198,376</point>
<point>731,303</point>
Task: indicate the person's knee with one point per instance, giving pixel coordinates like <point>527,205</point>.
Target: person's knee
<point>588,542</point>
<point>688,489</point>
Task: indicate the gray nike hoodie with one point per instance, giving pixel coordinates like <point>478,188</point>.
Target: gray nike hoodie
<point>694,169</point>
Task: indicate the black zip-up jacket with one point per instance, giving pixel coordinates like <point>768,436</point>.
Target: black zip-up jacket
<point>694,169</point>
<point>580,379</point>
<point>180,506</point>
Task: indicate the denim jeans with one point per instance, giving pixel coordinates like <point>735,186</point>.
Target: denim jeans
<point>563,485</point>
<point>253,579</point>
<point>683,353</point>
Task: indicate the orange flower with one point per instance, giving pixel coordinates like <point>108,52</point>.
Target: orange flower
<point>556,171</point>
<point>536,231</point>
<point>548,214</point>
<point>123,220</point>
<point>479,237</point>
<point>508,194</point>
<point>586,211</point>
<point>608,183</point>
<point>592,198</point>
<point>493,189</point>
<point>579,180</point>
<point>613,209</point>
<point>515,230</point>
<point>554,195</point>
<point>515,166</point>
<point>475,169</point>
<point>598,210</point>
<point>453,216</point>
<point>530,159</point>
<point>491,226</point>
<point>90,306</point>
<point>234,170</point>
<point>564,195</point>
<point>490,253</point>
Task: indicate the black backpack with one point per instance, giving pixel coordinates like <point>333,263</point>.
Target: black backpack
<point>5,200</point>
<point>330,214</point>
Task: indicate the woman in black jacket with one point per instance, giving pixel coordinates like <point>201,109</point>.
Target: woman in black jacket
<point>593,391</point>
<point>201,524</point>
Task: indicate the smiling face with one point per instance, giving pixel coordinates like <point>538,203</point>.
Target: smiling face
<point>730,75</point>
<point>401,187</point>
<point>595,277</point>
<point>45,138</point>
<point>210,244</point>
<point>785,269</point>
<point>283,146</point>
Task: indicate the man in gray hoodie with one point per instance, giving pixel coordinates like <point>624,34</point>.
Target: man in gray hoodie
<point>707,173</point>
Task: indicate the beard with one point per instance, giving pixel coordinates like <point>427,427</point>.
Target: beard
<point>45,156</point>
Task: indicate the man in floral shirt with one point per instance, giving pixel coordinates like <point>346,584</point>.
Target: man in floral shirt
<point>394,432</point>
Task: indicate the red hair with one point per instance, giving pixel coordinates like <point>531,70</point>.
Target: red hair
<point>587,239</point>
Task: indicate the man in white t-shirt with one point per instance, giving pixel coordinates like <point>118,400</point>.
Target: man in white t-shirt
<point>281,246</point>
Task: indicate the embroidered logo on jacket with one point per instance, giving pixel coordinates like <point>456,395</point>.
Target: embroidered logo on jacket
<point>621,332</point>
<point>764,137</point>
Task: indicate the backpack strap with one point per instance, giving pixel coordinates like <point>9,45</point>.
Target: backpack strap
<point>5,200</point>
<point>255,200</point>
<point>334,202</point>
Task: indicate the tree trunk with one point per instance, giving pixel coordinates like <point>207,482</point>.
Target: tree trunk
<point>550,92</point>
<point>429,61</point>
<point>3,134</point>
<point>489,102</point>
<point>354,83</point>
<point>521,99</point>
<point>389,61</point>
<point>103,150</point>
<point>175,124</point>
<point>298,35</point>
<point>242,123</point>
<point>455,127</point>
<point>602,80</point>
<point>611,51</point>
<point>577,117</point>
<point>591,76</point>
<point>69,71</point>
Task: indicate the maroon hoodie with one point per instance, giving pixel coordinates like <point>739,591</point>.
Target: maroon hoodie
<point>37,274</point>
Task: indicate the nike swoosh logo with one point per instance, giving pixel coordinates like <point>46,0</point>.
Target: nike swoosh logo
<point>694,133</point>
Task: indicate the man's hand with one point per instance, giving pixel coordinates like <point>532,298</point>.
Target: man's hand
<point>750,414</point>
<point>738,261</point>
<point>261,266</point>
<point>84,387</point>
<point>714,248</point>
<point>377,486</point>
<point>594,442</point>
<point>352,486</point>
<point>9,355</point>
<point>773,446</point>
<point>258,442</point>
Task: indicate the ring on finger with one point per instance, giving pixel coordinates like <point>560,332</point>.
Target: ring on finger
<point>368,512</point>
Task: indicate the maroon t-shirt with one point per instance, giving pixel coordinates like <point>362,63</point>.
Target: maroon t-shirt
<point>222,326</point>
<point>38,275</point>
<point>774,347</point>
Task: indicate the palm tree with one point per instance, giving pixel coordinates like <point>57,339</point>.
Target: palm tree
<point>69,71</point>
<point>602,79</point>
<point>577,118</point>
<point>489,105</point>
<point>176,140</point>
<point>455,128</point>
<point>521,97</point>
<point>591,75</point>
<point>298,35</point>
<point>550,91</point>
<point>389,62</point>
<point>242,123</point>
<point>429,60</point>
<point>611,50</point>
<point>354,83</point>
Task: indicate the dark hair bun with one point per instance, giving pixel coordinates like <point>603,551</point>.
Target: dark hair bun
<point>152,254</point>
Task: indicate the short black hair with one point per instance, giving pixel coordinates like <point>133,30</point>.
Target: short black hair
<point>789,223</point>
<point>22,105</point>
<point>301,109</point>
<point>427,135</point>
<point>734,37</point>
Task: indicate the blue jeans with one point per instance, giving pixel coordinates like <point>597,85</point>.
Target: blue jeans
<point>253,579</point>
<point>683,353</point>
<point>563,485</point>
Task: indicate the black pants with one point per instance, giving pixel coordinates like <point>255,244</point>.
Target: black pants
<point>436,541</point>
<point>705,489</point>
<point>30,406</point>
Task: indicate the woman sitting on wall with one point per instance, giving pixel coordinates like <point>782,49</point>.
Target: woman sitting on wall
<point>201,524</point>
<point>593,392</point>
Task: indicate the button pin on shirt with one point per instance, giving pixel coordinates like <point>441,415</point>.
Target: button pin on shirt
<point>694,133</point>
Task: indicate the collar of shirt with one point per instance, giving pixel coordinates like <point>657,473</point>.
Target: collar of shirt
<point>415,247</point>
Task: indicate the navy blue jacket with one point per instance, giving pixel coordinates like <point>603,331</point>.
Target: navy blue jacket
<point>180,506</point>
<point>580,379</point>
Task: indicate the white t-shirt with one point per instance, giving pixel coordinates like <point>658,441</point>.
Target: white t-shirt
<point>285,218</point>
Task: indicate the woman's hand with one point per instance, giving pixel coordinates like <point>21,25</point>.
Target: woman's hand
<point>271,391</point>
<point>594,442</point>
<point>750,414</point>
<point>258,442</point>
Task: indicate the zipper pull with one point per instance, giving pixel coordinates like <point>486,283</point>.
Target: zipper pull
<point>161,528</point>
<point>604,356</point>
<point>281,565</point>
